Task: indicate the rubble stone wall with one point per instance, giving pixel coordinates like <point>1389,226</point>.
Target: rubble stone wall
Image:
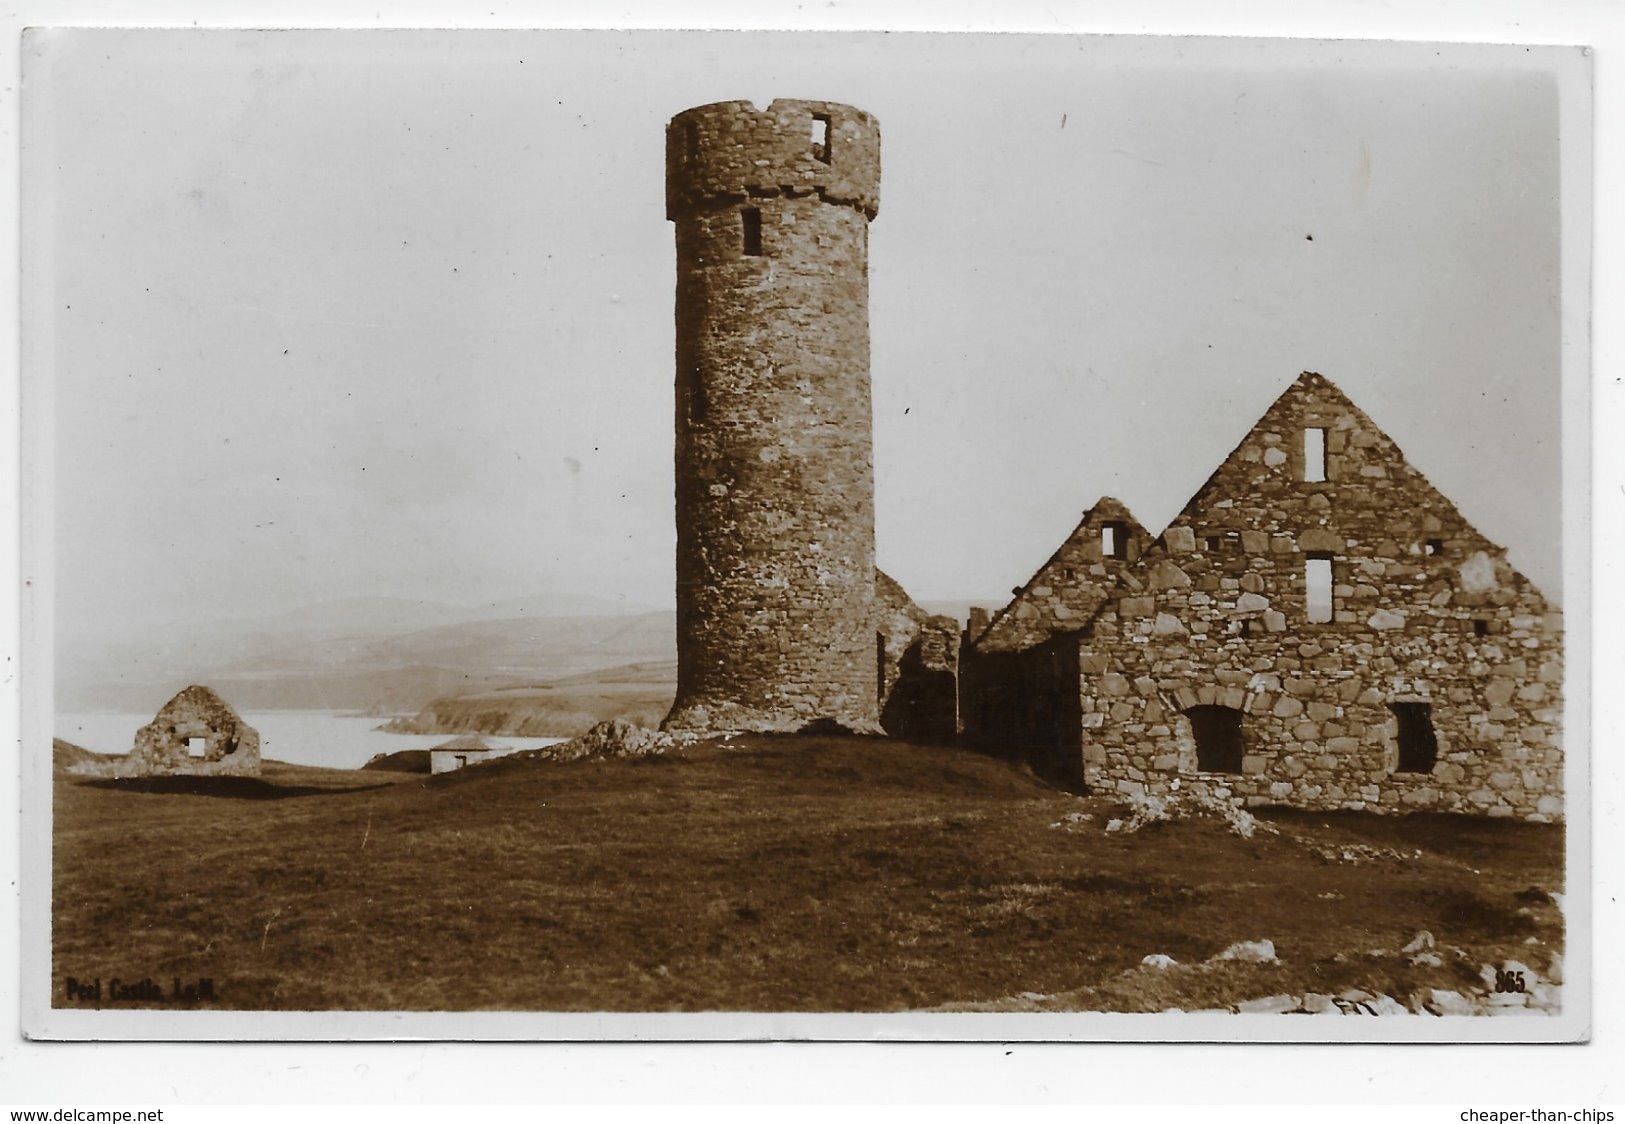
<point>1066,590</point>
<point>918,675</point>
<point>230,748</point>
<point>776,620</point>
<point>1425,610</point>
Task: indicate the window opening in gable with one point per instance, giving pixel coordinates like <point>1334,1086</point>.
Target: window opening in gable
<point>1217,730</point>
<point>751,220</point>
<point>1418,744</point>
<point>1433,546</point>
<point>1114,540</point>
<point>1481,627</point>
<point>1314,455</point>
<point>1210,543</point>
<point>1317,581</point>
<point>820,137</point>
<point>197,747</point>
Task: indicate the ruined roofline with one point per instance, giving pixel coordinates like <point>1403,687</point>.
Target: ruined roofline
<point>1157,548</point>
<point>1105,505</point>
<point>1314,379</point>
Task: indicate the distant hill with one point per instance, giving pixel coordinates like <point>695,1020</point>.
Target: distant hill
<point>387,656</point>
<point>640,693</point>
<point>372,655</point>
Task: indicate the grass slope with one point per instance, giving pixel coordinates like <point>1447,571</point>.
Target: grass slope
<point>791,873</point>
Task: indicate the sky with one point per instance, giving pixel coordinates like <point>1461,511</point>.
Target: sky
<point>351,314</point>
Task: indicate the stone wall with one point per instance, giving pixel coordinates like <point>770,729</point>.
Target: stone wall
<point>918,674</point>
<point>230,747</point>
<point>1424,611</point>
<point>776,622</point>
<point>1017,701</point>
<point>1068,589</point>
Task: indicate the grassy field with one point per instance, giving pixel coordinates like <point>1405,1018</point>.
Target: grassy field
<point>769,874</point>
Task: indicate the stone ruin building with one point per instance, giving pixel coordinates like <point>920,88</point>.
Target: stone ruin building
<point>782,620</point>
<point>195,734</point>
<point>1319,627</point>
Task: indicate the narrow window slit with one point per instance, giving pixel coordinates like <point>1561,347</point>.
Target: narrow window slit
<point>698,402</point>
<point>751,221</point>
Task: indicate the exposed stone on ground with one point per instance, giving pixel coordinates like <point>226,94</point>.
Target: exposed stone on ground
<point>1249,952</point>
<point>1159,960</point>
<point>1442,1002</point>
<point>1269,1005</point>
<point>1147,809</point>
<point>1422,942</point>
<point>617,738</point>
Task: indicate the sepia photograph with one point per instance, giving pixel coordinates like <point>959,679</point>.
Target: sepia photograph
<point>804,535</point>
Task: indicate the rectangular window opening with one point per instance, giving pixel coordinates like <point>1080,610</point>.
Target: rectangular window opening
<point>691,141</point>
<point>1210,543</point>
<point>197,747</point>
<point>1113,540</point>
<point>1433,546</point>
<point>820,137</point>
<point>1314,455</point>
<point>1418,744</point>
<point>751,219</point>
<point>1317,578</point>
<point>1481,627</point>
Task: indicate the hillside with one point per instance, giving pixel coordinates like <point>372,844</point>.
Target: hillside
<point>791,873</point>
<point>639,693</point>
<point>379,656</point>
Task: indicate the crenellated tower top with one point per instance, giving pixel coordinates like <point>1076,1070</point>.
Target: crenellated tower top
<point>731,151</point>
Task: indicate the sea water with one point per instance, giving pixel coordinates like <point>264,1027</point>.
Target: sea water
<point>332,740</point>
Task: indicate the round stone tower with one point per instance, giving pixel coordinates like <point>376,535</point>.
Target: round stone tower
<point>775,476</point>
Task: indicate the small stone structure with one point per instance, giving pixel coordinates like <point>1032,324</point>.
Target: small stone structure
<point>467,749</point>
<point>195,734</point>
<point>1319,627</point>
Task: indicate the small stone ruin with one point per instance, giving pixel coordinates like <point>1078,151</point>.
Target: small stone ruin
<point>195,734</point>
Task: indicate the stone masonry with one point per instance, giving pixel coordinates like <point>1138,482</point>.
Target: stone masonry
<point>1425,674</point>
<point>195,734</point>
<point>776,613</point>
<point>918,671</point>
